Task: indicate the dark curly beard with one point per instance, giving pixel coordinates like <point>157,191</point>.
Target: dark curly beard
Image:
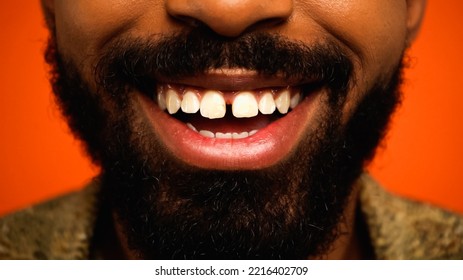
<point>169,210</point>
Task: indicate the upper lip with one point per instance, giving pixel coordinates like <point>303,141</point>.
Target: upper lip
<point>232,80</point>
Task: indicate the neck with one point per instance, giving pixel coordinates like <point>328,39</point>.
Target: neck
<point>352,242</point>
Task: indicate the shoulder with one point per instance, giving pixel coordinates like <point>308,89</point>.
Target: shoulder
<point>404,229</point>
<point>57,229</point>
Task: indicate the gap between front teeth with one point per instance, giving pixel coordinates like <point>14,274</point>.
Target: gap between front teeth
<point>211,104</point>
<point>223,135</point>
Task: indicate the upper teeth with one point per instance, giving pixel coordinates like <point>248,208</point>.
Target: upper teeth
<point>173,101</point>
<point>245,105</point>
<point>212,104</point>
<point>283,101</point>
<point>267,104</point>
<point>190,103</point>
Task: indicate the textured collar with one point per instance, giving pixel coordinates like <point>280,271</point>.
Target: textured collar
<point>403,229</point>
<point>59,229</point>
<point>399,229</point>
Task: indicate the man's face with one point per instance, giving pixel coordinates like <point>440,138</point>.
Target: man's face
<point>228,129</point>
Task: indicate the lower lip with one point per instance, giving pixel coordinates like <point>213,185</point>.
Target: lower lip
<point>267,147</point>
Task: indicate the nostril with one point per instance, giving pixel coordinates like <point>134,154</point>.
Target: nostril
<point>230,18</point>
<point>266,23</point>
<point>187,20</point>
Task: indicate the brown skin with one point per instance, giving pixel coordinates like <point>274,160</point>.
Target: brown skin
<point>374,33</point>
<point>83,27</point>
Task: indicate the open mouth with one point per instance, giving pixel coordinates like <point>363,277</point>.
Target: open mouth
<point>226,114</point>
<point>230,125</point>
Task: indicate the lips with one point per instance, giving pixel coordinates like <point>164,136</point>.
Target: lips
<point>230,121</point>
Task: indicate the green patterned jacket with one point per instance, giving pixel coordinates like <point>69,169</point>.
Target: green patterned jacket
<point>63,228</point>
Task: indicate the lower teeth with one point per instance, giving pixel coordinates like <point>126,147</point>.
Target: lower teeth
<point>223,135</point>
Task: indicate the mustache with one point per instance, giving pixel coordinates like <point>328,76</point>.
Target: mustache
<point>136,61</point>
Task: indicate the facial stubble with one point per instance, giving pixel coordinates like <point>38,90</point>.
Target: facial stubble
<point>170,210</point>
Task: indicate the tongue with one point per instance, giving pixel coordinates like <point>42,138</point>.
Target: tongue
<point>229,123</point>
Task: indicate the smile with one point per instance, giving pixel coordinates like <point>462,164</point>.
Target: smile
<point>230,121</point>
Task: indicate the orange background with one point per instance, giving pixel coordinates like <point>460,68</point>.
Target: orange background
<point>39,159</point>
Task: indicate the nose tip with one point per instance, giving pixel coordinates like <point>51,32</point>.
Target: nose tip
<point>230,18</point>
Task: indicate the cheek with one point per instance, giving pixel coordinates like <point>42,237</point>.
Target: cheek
<point>82,26</point>
<point>375,30</point>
